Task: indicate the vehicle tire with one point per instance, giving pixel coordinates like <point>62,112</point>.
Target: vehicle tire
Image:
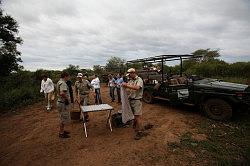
<point>148,97</point>
<point>218,109</point>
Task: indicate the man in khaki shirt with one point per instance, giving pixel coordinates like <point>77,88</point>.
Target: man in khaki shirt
<point>82,91</point>
<point>63,104</point>
<point>135,92</point>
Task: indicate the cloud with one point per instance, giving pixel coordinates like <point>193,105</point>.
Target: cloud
<point>86,33</point>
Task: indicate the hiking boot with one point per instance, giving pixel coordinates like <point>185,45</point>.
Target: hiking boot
<point>86,118</point>
<point>134,125</point>
<point>140,134</point>
<point>64,135</point>
<point>66,132</point>
<point>148,126</point>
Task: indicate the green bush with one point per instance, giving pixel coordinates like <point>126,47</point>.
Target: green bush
<point>19,89</point>
<point>239,71</point>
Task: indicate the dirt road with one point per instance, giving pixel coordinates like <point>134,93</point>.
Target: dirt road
<point>30,137</point>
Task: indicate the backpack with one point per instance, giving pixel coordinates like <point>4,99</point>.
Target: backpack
<point>116,120</point>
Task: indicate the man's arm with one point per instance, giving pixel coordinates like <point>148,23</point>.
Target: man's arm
<point>137,86</point>
<point>42,89</point>
<point>134,87</point>
<point>64,94</point>
<point>75,87</point>
<point>77,96</point>
<point>52,84</point>
<point>89,85</point>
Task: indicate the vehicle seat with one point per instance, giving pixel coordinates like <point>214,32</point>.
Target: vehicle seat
<point>174,81</point>
<point>182,80</point>
<point>157,86</point>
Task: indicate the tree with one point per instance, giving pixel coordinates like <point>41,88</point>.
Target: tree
<point>9,55</point>
<point>116,64</point>
<point>137,65</point>
<point>206,54</point>
<point>98,69</point>
<point>72,70</point>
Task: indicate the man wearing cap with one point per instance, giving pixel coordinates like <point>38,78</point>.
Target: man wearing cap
<point>82,90</point>
<point>135,92</point>
<point>63,104</point>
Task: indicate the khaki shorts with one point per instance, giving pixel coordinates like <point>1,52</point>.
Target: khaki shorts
<point>64,113</point>
<point>84,99</point>
<point>136,106</point>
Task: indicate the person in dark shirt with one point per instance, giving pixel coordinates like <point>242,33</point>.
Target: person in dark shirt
<point>69,84</point>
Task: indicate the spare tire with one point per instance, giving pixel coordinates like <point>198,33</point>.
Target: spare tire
<point>148,97</point>
<point>218,109</point>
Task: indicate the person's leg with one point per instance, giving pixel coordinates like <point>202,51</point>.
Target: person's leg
<point>96,97</point>
<point>61,128</point>
<point>139,133</point>
<point>113,93</point>
<point>138,123</point>
<point>136,108</point>
<point>61,108</point>
<point>85,102</point>
<point>110,92</point>
<point>46,100</point>
<point>49,101</point>
<point>52,99</point>
<point>118,90</point>
<point>80,104</point>
<point>100,98</point>
<point>98,94</point>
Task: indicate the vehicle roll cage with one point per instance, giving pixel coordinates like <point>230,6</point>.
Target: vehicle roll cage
<point>163,58</point>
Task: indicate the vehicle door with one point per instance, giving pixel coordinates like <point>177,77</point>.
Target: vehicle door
<point>163,90</point>
<point>177,91</point>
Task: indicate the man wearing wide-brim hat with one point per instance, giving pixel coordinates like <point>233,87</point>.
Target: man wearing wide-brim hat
<point>135,92</point>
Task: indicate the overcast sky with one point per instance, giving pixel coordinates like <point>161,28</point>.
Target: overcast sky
<point>57,33</point>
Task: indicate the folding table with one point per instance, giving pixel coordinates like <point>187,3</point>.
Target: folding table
<point>97,108</point>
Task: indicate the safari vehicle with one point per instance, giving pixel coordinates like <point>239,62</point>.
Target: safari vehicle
<point>216,98</point>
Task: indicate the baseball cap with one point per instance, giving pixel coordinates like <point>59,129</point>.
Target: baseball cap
<point>79,75</point>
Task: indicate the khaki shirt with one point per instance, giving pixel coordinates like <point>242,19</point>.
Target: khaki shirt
<point>61,86</point>
<point>83,87</point>
<point>135,94</point>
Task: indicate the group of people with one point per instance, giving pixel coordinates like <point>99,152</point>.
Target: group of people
<point>83,88</point>
<point>114,84</point>
<point>65,95</point>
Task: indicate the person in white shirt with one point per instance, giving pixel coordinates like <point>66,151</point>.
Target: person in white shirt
<point>111,85</point>
<point>96,84</point>
<point>47,86</point>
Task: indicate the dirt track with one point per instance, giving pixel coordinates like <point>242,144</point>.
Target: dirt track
<point>30,137</point>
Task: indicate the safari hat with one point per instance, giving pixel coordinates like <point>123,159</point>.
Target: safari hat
<point>131,70</point>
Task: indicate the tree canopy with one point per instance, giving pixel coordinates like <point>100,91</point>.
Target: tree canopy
<point>9,55</point>
<point>72,70</point>
<point>116,64</point>
<point>206,54</point>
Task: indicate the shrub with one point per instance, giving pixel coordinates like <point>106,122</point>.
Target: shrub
<point>19,89</point>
